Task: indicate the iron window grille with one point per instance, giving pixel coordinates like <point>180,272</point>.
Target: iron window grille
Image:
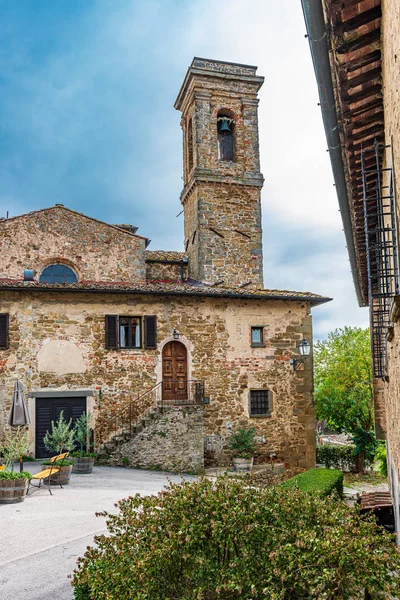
<point>260,403</point>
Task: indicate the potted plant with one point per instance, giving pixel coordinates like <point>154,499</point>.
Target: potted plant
<point>242,444</point>
<point>61,439</point>
<point>83,460</point>
<point>13,485</point>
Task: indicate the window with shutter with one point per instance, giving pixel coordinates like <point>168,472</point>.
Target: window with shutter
<point>150,331</point>
<point>112,331</point>
<point>3,331</point>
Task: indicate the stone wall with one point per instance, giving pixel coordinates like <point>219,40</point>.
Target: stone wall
<point>391,99</point>
<point>165,271</point>
<point>172,440</point>
<point>221,199</point>
<point>95,250</point>
<point>57,341</point>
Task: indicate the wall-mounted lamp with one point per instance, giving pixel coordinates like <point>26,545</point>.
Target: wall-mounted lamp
<point>175,334</point>
<point>304,350</point>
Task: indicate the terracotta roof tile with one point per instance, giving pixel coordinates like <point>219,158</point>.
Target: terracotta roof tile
<point>165,287</point>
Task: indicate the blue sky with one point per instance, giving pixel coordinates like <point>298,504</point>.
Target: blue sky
<point>86,119</point>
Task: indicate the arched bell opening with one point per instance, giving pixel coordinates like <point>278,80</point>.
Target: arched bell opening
<point>226,135</point>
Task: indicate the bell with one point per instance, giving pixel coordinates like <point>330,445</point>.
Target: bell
<point>225,128</point>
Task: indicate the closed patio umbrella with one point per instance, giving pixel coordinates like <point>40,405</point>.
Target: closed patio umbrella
<point>19,413</point>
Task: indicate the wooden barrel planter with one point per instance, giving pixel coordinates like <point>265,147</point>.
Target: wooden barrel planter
<point>83,465</point>
<point>60,478</point>
<point>13,490</point>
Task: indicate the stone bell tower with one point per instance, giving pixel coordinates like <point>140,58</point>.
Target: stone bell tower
<point>221,173</point>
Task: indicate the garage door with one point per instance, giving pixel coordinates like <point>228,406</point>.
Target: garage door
<point>48,410</point>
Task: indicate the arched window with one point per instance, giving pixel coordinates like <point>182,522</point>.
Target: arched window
<point>226,135</point>
<point>58,274</point>
<point>190,145</point>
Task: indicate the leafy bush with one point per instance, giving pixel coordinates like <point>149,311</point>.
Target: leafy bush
<point>381,458</point>
<point>15,443</point>
<point>15,475</point>
<point>83,454</point>
<point>62,436</point>
<point>323,481</point>
<point>83,431</point>
<point>226,540</point>
<point>337,457</point>
<point>242,443</point>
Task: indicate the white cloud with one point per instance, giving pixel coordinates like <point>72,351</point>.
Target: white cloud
<point>94,127</point>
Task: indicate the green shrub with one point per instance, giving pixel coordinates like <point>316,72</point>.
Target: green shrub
<point>83,454</point>
<point>15,475</point>
<point>337,457</point>
<point>241,442</point>
<point>226,540</point>
<point>323,481</point>
<point>381,458</point>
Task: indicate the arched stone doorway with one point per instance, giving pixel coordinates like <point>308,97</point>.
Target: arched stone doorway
<point>174,372</point>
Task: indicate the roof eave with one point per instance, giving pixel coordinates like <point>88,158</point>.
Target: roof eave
<point>314,301</point>
<point>317,37</point>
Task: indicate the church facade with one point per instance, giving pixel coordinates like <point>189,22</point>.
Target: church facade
<point>170,351</point>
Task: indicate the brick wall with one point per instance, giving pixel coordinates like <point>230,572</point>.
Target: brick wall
<point>57,341</point>
<point>95,250</point>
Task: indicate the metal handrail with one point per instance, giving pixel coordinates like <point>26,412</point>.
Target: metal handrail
<point>123,420</point>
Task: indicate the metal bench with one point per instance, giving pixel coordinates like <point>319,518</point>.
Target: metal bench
<point>52,472</point>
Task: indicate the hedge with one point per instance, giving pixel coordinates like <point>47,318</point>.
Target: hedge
<point>337,457</point>
<point>226,540</point>
<point>323,481</point>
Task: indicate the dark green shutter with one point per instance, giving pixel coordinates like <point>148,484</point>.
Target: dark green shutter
<point>150,331</point>
<point>112,331</point>
<point>4,330</point>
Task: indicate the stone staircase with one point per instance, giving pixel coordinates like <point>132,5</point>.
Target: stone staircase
<point>109,447</point>
<point>150,433</point>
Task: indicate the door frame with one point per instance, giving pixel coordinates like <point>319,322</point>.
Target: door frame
<point>189,353</point>
<point>176,343</point>
<point>56,393</point>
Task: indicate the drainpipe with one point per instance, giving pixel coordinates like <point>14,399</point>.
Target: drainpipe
<point>318,38</point>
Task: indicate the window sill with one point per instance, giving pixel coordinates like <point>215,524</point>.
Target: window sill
<point>267,416</point>
<point>258,346</point>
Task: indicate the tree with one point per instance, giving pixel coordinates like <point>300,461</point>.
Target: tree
<point>62,436</point>
<point>343,386</point>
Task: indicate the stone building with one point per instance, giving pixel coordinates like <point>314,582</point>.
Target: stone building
<point>169,350</point>
<point>356,53</point>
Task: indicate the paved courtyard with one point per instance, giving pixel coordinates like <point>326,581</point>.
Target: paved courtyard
<point>42,537</point>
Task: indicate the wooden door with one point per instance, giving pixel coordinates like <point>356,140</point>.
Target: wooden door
<point>48,410</point>
<point>175,385</point>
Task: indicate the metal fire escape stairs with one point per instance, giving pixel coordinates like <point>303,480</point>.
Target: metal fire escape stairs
<point>381,247</point>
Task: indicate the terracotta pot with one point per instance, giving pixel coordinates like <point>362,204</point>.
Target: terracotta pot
<point>243,464</point>
<point>62,477</point>
<point>13,490</point>
<point>83,465</point>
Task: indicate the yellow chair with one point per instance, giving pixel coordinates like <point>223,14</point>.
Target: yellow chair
<point>49,473</point>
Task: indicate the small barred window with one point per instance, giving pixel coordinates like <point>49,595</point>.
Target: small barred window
<point>260,403</point>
